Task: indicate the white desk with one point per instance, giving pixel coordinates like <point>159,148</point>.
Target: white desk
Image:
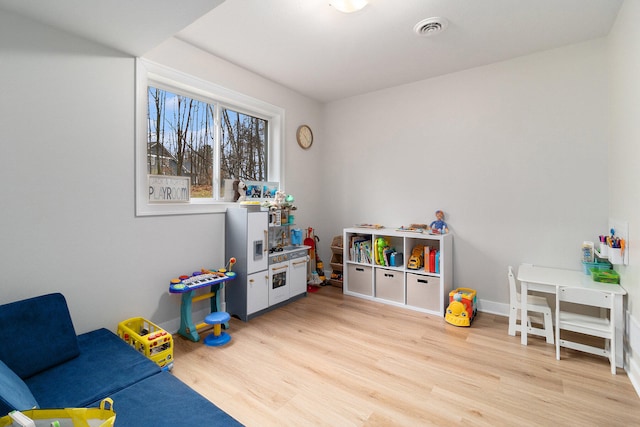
<point>549,280</point>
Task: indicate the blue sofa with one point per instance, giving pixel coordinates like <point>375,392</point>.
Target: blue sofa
<point>44,364</point>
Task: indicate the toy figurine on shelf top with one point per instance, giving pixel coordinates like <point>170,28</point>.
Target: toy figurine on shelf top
<point>240,191</point>
<point>439,226</point>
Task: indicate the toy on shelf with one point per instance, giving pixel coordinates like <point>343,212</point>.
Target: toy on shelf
<point>373,226</point>
<point>462,307</point>
<point>379,246</point>
<point>416,260</point>
<point>240,191</point>
<point>414,228</point>
<point>439,226</point>
<point>281,200</point>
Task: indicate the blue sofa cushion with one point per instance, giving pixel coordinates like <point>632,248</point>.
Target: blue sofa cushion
<point>164,401</point>
<point>36,334</point>
<point>106,364</point>
<point>14,393</point>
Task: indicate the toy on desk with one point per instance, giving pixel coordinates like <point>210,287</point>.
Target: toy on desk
<point>439,226</point>
<point>462,307</point>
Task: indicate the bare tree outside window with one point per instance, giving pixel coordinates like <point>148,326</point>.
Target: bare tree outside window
<point>182,141</point>
<point>244,146</point>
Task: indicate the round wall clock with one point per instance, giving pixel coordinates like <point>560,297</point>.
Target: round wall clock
<point>304,136</point>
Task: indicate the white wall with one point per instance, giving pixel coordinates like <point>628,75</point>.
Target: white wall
<point>515,153</point>
<point>509,151</point>
<point>302,170</point>
<point>624,166</point>
<point>67,222</point>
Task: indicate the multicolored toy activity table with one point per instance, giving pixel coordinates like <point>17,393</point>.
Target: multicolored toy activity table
<point>186,286</point>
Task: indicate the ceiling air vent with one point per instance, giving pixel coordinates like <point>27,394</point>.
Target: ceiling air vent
<point>430,26</point>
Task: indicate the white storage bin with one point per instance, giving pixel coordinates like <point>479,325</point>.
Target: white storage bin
<point>360,279</point>
<point>423,291</point>
<point>390,285</point>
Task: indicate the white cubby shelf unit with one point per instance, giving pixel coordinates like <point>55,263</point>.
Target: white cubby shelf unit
<point>415,289</point>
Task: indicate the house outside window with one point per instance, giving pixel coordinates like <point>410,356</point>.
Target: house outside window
<point>206,133</point>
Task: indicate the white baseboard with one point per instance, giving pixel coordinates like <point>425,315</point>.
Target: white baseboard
<point>492,307</point>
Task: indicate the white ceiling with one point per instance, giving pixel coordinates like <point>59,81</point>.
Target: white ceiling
<point>317,51</point>
<point>130,26</point>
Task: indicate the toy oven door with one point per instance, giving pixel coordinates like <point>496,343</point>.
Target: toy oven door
<point>278,282</point>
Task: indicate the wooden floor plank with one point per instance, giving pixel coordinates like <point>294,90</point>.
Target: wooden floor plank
<point>334,360</point>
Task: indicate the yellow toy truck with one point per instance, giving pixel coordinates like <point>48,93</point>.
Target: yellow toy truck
<point>416,261</point>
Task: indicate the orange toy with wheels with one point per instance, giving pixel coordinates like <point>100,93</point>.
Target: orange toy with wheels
<point>462,307</point>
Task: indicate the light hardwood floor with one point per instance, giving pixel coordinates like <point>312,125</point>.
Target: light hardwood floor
<point>335,360</point>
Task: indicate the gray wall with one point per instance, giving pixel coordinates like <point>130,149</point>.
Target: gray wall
<point>515,153</point>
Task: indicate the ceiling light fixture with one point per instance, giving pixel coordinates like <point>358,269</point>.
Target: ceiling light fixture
<point>348,6</point>
<point>430,26</point>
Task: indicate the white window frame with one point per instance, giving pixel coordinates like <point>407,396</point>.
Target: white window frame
<point>148,72</point>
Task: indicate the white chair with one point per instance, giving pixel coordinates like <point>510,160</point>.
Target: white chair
<point>538,312</point>
<point>598,326</point>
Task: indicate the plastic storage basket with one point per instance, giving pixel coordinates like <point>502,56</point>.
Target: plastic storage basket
<point>598,265</point>
<point>605,276</point>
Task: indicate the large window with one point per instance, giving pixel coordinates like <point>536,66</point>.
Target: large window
<point>204,133</point>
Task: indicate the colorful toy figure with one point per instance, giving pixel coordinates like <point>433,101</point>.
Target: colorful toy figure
<point>439,226</point>
<point>462,307</point>
<point>380,245</point>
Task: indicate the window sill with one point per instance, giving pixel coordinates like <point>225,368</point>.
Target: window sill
<point>196,207</point>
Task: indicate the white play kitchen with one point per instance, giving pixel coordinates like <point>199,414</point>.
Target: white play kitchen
<point>270,270</point>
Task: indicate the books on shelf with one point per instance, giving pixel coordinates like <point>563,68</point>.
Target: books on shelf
<point>360,249</point>
<point>431,260</point>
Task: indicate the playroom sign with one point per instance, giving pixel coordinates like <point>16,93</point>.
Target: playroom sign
<point>165,188</point>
